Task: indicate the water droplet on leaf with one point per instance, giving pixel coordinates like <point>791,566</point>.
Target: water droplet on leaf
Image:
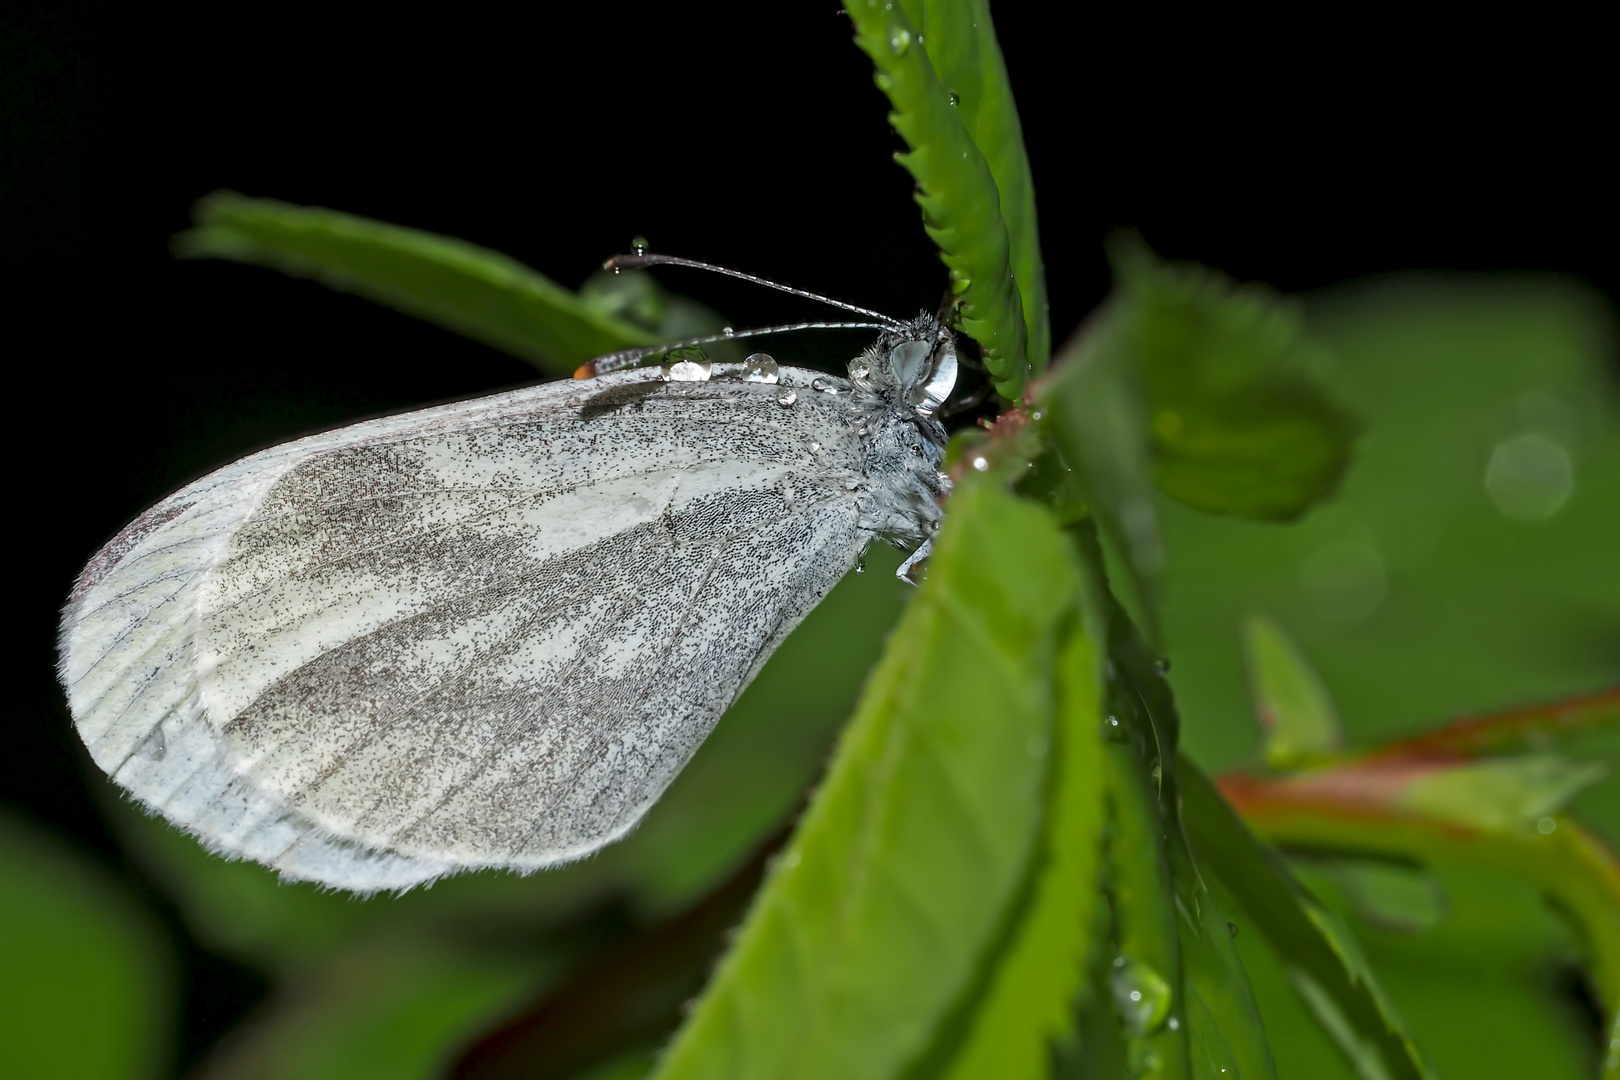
<point>1141,996</point>
<point>786,398</point>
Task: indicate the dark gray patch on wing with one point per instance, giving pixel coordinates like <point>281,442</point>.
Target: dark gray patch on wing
<point>611,400</point>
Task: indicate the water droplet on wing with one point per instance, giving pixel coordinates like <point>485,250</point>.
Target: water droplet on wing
<point>761,368</point>
<point>687,364</point>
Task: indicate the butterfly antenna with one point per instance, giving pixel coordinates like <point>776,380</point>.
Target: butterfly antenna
<point>615,361</point>
<point>644,259</point>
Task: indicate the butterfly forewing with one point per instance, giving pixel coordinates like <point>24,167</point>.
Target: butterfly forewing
<point>487,634</point>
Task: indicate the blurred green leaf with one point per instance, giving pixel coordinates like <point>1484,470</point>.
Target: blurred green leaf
<point>957,169</point>
<point>636,297</point>
<point>460,286</point>
<point>630,994</point>
<point>87,981</point>
<point>395,1013</point>
<point>1477,991</point>
<point>882,909</point>
<point>1206,389</point>
<point>1238,424</point>
<point>1028,1006</point>
<point>1481,988</point>
<point>1323,958</point>
<point>1501,793</point>
<point>1392,896</point>
<point>1362,807</point>
<point>1294,707</point>
<point>1415,596</point>
<point>632,1066</point>
<point>1092,410</point>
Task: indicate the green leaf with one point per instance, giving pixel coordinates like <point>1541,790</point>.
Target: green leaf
<point>1294,707</point>
<point>1239,425</point>
<point>1146,978</point>
<point>1223,1030</point>
<point>1503,793</point>
<point>460,286</point>
<point>961,42</point>
<point>1228,1039</point>
<point>1323,958</point>
<point>883,912</point>
<point>1029,1004</point>
<point>957,177</point>
<point>1092,410</point>
<point>86,980</point>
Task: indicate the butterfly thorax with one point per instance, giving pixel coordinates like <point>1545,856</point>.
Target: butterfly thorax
<point>900,381</point>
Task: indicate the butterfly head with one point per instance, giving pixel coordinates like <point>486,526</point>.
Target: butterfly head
<point>916,362</point>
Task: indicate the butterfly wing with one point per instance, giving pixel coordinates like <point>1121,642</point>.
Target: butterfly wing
<point>486,634</point>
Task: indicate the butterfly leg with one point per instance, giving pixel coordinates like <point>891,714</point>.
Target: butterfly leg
<point>922,552</point>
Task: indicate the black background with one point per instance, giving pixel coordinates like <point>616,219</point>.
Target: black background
<point>1302,154</point>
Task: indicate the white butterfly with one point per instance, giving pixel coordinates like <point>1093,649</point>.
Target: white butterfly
<point>489,634</point>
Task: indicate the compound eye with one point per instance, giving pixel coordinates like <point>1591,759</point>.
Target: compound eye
<point>907,361</point>
<point>941,378</point>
